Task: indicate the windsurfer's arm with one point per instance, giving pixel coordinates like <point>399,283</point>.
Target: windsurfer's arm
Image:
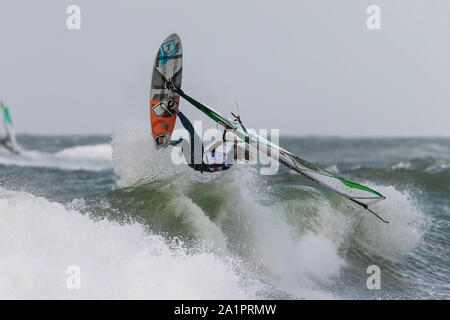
<point>174,143</point>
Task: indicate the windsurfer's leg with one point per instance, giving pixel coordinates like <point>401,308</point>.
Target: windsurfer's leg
<point>186,123</point>
<point>196,146</point>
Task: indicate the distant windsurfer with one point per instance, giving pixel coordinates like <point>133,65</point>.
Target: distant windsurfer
<point>9,141</point>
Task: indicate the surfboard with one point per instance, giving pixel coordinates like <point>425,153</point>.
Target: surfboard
<point>168,65</point>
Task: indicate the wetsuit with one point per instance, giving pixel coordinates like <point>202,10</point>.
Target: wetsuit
<point>191,156</point>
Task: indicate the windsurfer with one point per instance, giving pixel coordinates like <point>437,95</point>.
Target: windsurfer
<point>194,151</point>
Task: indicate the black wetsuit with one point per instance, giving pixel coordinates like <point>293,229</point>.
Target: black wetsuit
<point>195,140</point>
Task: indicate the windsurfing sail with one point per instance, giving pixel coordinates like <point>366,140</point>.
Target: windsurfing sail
<point>357,193</point>
<point>9,142</point>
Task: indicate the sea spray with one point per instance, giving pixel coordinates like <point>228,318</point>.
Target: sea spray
<point>40,239</point>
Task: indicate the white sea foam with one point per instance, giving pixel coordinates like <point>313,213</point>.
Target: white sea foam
<point>295,263</point>
<point>298,263</point>
<point>401,165</point>
<point>403,232</point>
<point>137,160</point>
<point>90,157</point>
<point>88,152</point>
<point>40,239</point>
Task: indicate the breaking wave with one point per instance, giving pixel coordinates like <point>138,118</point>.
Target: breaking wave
<point>89,158</point>
<point>41,239</point>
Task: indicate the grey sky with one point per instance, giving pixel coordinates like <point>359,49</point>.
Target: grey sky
<point>306,67</point>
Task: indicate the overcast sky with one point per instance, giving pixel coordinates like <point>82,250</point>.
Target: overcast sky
<point>305,67</point>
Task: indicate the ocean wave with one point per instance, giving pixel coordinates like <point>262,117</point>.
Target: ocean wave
<point>403,233</point>
<point>89,158</point>
<point>293,236</point>
<point>40,239</point>
<point>166,231</point>
<point>295,243</point>
<point>88,152</point>
<point>431,181</point>
<point>418,151</point>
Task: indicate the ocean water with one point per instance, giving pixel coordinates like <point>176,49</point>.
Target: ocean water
<point>139,226</point>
